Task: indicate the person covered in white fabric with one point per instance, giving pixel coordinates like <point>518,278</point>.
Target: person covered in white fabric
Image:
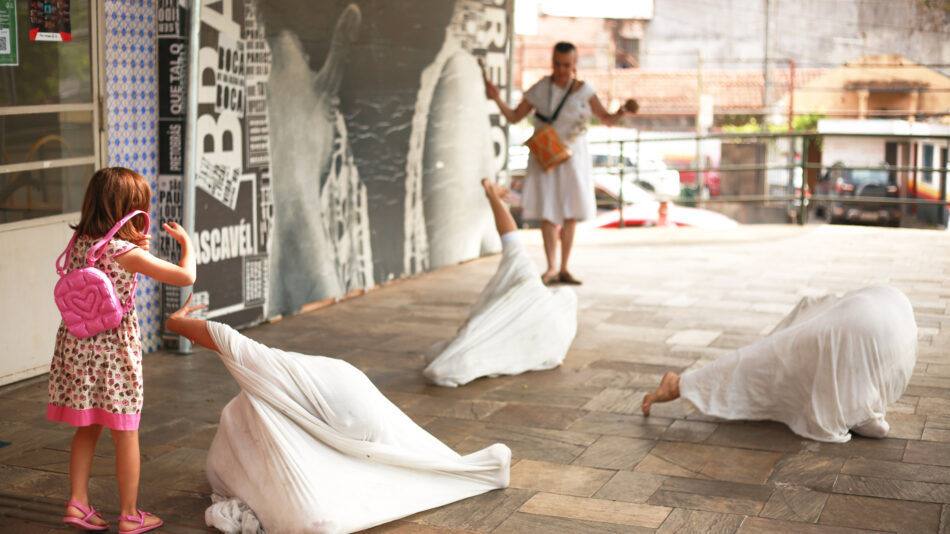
<point>516,325</point>
<point>565,193</point>
<point>834,364</point>
<point>309,445</point>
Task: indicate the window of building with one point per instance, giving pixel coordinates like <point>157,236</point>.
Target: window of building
<point>928,163</point>
<point>49,117</point>
<point>628,53</point>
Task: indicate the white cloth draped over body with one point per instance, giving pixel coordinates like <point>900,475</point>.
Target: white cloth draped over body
<point>310,445</point>
<point>833,364</point>
<point>516,325</point>
<point>566,191</point>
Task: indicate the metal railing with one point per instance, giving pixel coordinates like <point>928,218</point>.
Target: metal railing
<point>902,176</point>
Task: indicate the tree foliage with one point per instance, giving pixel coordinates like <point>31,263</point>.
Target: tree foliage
<point>933,14</point>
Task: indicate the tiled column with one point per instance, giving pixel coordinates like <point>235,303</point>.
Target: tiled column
<point>131,116</point>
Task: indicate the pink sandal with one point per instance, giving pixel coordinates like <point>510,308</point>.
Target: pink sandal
<point>83,522</point>
<point>141,519</point>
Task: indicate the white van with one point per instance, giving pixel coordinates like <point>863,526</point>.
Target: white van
<point>650,172</point>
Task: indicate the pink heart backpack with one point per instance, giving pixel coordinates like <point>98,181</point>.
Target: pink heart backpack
<point>86,297</point>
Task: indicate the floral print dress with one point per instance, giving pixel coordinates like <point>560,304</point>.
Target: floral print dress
<point>98,379</point>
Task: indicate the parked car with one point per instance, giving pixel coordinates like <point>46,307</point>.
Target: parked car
<point>711,177</point>
<point>650,174</point>
<point>641,208</point>
<point>654,175</point>
<point>844,183</point>
<point>645,215</point>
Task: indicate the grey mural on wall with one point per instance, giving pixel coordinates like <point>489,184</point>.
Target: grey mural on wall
<point>395,87</point>
<point>341,145</point>
<point>321,245</point>
<point>449,152</point>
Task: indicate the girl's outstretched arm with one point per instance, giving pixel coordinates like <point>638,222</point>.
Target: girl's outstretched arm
<point>194,329</point>
<point>182,274</point>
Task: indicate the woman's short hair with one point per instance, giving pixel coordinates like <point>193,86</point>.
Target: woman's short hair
<point>563,47</point>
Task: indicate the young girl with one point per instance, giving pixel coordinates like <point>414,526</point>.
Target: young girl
<point>97,381</point>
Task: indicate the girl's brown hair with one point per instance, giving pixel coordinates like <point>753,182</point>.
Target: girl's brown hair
<point>113,193</point>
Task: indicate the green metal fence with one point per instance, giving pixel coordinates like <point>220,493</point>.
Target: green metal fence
<point>799,200</point>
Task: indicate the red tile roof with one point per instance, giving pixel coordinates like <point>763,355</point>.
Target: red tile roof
<point>674,92</point>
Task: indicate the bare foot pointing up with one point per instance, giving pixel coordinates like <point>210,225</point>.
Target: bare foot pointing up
<point>668,390</point>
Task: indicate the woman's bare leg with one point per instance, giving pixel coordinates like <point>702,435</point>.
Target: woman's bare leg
<point>497,194</point>
<point>550,235</point>
<point>567,243</point>
<point>668,390</point>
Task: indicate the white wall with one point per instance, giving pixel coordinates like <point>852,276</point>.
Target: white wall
<point>856,151</point>
<point>28,316</point>
<point>815,33</point>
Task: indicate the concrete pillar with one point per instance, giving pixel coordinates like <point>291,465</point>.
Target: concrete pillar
<point>863,95</point>
<point>914,104</point>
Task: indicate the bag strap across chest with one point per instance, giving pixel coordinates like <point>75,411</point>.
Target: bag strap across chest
<point>567,93</point>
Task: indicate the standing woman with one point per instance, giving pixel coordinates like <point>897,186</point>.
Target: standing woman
<point>564,194</point>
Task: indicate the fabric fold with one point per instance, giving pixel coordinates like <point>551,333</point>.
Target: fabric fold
<point>310,445</point>
<point>516,325</point>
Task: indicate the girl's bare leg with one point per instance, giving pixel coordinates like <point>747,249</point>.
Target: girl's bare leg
<point>80,466</point>
<point>127,466</point>
<point>668,390</point>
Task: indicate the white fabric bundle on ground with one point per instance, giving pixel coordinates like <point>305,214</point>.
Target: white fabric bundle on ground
<point>832,364</point>
<point>310,445</point>
<point>516,325</point>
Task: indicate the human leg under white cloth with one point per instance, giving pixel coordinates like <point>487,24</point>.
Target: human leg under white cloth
<point>516,324</point>
<point>310,445</point>
<point>833,364</point>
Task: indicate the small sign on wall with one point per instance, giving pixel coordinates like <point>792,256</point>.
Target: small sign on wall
<point>49,21</point>
<point>8,35</point>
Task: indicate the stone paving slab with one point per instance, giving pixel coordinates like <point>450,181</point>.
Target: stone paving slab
<point>585,461</point>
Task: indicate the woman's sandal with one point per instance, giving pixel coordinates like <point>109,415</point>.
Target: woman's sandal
<point>548,279</point>
<point>141,520</point>
<point>566,278</point>
<point>83,522</point>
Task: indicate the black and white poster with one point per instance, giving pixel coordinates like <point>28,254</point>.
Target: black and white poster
<point>172,52</point>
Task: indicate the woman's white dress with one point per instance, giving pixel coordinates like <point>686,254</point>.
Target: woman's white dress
<point>832,364</point>
<point>566,191</point>
<point>310,445</point>
<point>516,325</point>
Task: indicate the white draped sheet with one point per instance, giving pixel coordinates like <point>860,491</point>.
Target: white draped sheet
<point>310,445</point>
<point>833,363</point>
<point>516,325</point>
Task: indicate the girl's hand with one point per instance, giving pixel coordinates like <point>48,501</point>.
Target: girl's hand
<point>177,232</point>
<point>144,243</point>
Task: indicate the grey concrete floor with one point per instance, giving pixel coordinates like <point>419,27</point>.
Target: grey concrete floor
<point>653,300</point>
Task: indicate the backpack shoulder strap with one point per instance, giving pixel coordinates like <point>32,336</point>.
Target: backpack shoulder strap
<point>96,251</point>
<point>62,262</point>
